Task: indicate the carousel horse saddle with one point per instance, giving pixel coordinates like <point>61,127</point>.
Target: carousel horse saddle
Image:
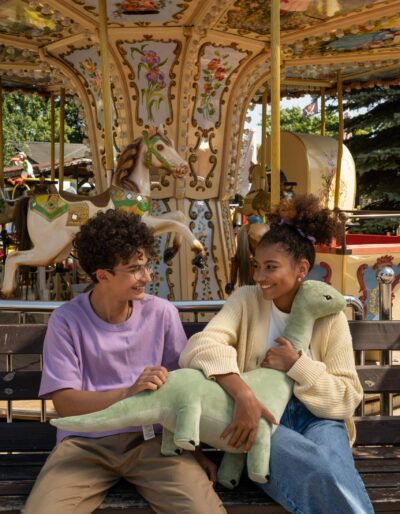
<point>100,200</point>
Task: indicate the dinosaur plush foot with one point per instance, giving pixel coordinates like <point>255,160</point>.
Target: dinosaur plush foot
<point>230,469</point>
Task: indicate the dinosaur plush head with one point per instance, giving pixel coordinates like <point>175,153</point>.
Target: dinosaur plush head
<point>313,300</point>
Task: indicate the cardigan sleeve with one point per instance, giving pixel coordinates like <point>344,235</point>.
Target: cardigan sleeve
<point>213,350</point>
<point>331,388</point>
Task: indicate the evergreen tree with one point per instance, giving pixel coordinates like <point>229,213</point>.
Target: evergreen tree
<point>375,146</point>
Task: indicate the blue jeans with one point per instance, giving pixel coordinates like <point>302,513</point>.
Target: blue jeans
<point>312,469</point>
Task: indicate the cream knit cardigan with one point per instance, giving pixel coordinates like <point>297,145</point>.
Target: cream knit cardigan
<point>235,339</point>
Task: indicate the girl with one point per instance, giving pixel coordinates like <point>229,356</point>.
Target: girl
<point>311,469</point>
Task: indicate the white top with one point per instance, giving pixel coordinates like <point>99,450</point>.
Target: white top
<point>277,324</point>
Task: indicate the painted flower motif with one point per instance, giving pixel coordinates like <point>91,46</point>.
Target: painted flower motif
<point>151,58</point>
<point>151,63</point>
<point>213,75</point>
<point>213,64</point>
<point>89,68</point>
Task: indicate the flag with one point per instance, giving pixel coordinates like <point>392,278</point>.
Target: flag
<point>311,109</point>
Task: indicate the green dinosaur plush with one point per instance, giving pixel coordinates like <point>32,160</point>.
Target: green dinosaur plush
<point>192,408</point>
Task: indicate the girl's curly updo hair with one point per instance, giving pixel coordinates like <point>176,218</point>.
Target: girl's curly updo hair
<point>111,237</point>
<point>298,223</point>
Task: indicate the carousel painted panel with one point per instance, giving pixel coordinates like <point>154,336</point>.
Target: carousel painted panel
<point>151,75</point>
<point>86,63</point>
<point>355,275</point>
<point>140,12</point>
<point>162,284</point>
<point>216,65</point>
<point>22,18</point>
<point>206,285</point>
<point>253,16</point>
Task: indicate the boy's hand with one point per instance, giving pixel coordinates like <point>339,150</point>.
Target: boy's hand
<point>150,379</point>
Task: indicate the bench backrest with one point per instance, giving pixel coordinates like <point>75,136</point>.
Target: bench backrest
<point>20,384</point>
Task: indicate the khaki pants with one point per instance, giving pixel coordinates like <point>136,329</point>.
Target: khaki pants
<point>79,472</point>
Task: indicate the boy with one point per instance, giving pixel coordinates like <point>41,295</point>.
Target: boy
<point>101,347</point>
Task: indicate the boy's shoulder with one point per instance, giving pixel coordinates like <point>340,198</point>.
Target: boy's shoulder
<point>160,304</point>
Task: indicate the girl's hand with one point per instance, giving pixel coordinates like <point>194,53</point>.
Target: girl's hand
<point>280,357</point>
<point>208,465</point>
<point>246,416</point>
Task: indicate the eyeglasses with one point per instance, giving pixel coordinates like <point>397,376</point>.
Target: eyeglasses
<point>138,270</point>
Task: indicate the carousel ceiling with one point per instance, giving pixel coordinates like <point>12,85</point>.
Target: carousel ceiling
<point>361,38</point>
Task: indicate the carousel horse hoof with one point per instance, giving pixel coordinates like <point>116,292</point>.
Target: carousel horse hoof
<point>169,254</point>
<point>199,261</point>
<point>229,288</point>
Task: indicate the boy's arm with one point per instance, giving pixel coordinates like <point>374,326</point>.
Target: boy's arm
<point>72,402</point>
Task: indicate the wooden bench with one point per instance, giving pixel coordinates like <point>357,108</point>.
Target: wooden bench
<point>24,444</point>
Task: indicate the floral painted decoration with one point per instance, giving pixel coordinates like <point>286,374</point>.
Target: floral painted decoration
<point>89,69</point>
<point>151,64</point>
<point>213,77</point>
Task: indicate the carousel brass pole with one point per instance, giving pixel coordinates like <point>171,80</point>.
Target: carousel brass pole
<point>263,185</point>
<point>106,88</point>
<point>61,149</point>
<point>1,138</point>
<point>340,139</point>
<point>52,138</point>
<point>322,111</point>
<point>275,102</point>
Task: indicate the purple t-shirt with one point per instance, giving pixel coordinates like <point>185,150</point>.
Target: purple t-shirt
<point>83,352</point>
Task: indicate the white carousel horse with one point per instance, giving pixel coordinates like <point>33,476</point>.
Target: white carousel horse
<point>51,221</point>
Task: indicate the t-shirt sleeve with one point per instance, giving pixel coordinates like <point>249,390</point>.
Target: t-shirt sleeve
<point>174,339</point>
<point>61,364</point>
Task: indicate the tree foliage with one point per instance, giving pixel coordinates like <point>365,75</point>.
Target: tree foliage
<point>293,120</point>
<point>26,118</point>
<point>375,146</point>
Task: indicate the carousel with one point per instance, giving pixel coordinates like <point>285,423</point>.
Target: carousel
<point>173,80</point>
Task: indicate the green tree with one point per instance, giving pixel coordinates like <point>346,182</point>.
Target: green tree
<point>26,118</point>
<point>375,143</point>
<point>293,120</point>
<point>375,146</point>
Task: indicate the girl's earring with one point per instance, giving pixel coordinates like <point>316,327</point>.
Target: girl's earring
<point>299,279</point>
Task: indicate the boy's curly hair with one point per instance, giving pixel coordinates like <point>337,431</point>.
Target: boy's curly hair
<point>111,237</point>
<point>300,222</point>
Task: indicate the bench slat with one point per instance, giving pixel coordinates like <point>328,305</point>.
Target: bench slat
<point>19,385</point>
<point>379,379</point>
<point>375,335</point>
<point>22,338</point>
<point>22,436</point>
<point>374,430</point>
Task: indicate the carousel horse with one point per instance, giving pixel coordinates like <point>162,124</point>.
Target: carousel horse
<point>257,200</point>
<point>7,208</point>
<point>47,224</point>
<point>247,240</point>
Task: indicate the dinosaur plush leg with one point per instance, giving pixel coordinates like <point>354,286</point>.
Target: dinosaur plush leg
<point>168,446</point>
<point>230,469</point>
<point>188,426</point>
<point>258,456</point>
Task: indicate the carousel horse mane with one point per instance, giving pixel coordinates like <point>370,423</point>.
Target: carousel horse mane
<point>247,240</point>
<point>126,163</point>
